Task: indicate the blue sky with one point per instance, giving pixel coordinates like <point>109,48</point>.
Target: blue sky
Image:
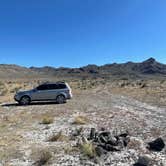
<point>75,33</point>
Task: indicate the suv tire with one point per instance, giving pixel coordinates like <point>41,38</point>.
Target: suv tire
<point>25,100</point>
<point>60,99</point>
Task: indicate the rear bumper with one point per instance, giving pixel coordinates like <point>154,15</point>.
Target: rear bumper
<point>69,96</point>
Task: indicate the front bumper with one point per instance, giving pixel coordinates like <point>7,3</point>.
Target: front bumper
<point>16,98</point>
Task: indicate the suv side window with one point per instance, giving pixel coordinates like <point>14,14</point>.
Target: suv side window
<point>42,87</point>
<point>53,86</point>
<point>56,86</point>
<point>61,86</point>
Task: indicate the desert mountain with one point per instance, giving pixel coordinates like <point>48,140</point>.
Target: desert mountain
<point>149,67</point>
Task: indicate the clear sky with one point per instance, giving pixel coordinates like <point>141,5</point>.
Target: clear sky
<point>75,33</point>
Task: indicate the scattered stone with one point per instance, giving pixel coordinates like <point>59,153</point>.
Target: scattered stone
<point>92,133</point>
<point>126,141</point>
<point>100,151</point>
<point>124,134</point>
<point>102,129</point>
<point>77,132</point>
<point>112,148</point>
<point>156,145</point>
<point>144,161</point>
<point>112,141</point>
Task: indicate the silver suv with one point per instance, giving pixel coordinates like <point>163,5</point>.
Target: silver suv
<point>59,92</point>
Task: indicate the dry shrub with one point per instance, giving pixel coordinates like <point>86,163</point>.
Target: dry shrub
<point>44,157</point>
<point>80,120</point>
<point>58,137</point>
<point>88,149</point>
<point>47,120</point>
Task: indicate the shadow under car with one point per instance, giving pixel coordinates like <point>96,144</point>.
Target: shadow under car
<point>32,103</point>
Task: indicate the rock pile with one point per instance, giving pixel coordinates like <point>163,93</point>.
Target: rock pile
<point>105,142</point>
<point>101,142</point>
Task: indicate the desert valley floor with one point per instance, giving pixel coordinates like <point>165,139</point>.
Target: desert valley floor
<point>26,130</point>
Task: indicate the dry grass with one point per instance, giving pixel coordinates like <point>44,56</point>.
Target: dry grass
<point>11,152</point>
<point>71,150</point>
<point>80,120</point>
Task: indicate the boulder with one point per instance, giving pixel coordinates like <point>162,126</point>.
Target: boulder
<point>156,145</point>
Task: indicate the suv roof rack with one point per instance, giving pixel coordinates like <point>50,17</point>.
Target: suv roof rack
<point>61,82</point>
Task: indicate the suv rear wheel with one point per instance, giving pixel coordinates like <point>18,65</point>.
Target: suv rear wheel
<point>61,99</point>
<point>25,100</point>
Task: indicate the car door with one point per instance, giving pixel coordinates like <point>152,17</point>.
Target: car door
<point>41,93</point>
<point>53,89</point>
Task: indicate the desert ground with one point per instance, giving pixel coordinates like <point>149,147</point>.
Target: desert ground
<point>44,133</point>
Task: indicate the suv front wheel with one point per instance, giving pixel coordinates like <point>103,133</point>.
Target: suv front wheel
<point>61,99</point>
<point>25,100</point>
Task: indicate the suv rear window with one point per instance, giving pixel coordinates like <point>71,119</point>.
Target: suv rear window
<point>61,86</point>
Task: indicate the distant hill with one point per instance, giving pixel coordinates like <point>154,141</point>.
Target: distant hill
<point>147,68</point>
<point>14,72</point>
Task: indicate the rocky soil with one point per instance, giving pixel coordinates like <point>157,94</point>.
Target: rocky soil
<point>25,140</point>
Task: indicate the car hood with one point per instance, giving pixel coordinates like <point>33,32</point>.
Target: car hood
<point>26,91</point>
